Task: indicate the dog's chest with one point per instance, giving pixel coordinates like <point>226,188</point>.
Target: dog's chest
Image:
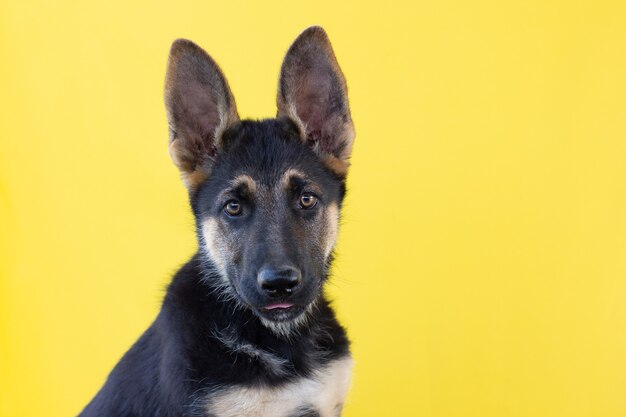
<point>322,394</point>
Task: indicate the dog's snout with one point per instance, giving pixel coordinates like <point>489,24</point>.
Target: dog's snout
<point>279,281</point>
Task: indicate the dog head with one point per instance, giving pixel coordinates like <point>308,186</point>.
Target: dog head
<point>266,194</point>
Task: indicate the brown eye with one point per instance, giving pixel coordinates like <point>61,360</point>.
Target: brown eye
<point>233,208</point>
<point>308,200</point>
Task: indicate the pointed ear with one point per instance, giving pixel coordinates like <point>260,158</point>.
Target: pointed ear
<point>312,92</point>
<point>200,106</point>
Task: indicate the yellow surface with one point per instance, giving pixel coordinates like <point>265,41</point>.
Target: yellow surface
<point>481,269</point>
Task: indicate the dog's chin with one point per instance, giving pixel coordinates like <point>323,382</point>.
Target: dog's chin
<point>283,319</point>
<point>284,322</point>
<point>280,314</point>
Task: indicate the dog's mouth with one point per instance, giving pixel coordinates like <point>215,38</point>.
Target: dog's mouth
<point>279,306</point>
<point>273,311</point>
<point>281,311</point>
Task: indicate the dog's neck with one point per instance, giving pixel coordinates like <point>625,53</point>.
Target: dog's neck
<point>236,330</point>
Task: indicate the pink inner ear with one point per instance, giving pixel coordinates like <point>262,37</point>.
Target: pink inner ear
<point>312,102</point>
<point>312,84</point>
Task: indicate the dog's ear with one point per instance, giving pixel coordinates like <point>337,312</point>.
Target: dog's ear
<point>199,107</point>
<point>312,92</point>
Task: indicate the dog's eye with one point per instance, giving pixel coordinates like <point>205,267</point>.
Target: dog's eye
<point>233,208</point>
<point>308,200</point>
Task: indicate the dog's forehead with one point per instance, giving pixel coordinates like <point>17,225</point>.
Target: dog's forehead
<point>278,180</point>
<point>267,154</point>
<point>265,159</point>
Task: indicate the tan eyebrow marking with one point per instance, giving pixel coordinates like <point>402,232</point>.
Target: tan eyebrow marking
<point>294,173</point>
<point>243,180</point>
<point>288,175</point>
<point>239,180</point>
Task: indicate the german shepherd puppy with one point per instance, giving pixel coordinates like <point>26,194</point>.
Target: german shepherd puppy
<point>245,329</point>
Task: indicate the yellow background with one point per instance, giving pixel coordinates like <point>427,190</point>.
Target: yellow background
<point>481,268</point>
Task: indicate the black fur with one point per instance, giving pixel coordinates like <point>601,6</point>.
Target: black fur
<point>248,310</point>
<point>181,358</point>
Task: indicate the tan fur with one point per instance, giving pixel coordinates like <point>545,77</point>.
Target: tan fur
<point>294,173</point>
<point>324,391</point>
<point>194,179</point>
<point>215,244</point>
<point>192,175</point>
<point>244,179</point>
<point>332,226</point>
<point>288,175</point>
<point>337,165</point>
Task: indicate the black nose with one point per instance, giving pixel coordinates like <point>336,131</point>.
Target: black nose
<point>278,282</point>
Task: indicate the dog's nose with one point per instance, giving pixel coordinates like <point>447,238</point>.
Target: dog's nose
<point>278,282</point>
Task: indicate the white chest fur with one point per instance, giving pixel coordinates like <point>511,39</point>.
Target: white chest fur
<point>323,392</point>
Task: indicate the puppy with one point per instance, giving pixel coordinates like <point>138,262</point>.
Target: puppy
<point>245,329</point>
